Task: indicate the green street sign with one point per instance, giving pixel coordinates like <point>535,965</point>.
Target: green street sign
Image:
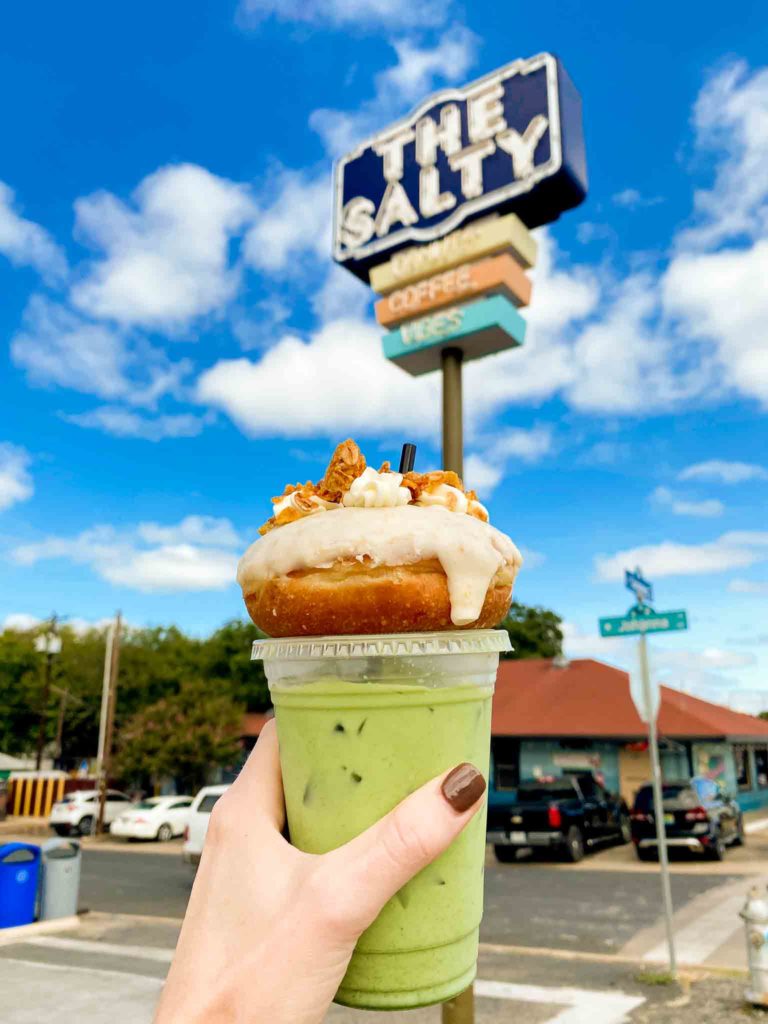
<point>643,620</point>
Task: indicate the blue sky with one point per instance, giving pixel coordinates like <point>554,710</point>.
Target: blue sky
<point>177,344</point>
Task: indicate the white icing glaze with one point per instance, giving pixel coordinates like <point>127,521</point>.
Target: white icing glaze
<point>376,490</point>
<point>289,501</point>
<point>470,551</point>
<point>446,496</point>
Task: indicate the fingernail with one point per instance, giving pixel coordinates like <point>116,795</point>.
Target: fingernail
<point>463,786</point>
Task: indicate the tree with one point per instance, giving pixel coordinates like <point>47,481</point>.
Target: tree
<point>183,736</point>
<point>226,655</point>
<point>535,632</point>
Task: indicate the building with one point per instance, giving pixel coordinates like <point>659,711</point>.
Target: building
<point>551,716</point>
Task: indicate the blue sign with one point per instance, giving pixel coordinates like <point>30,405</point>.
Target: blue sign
<point>509,142</point>
<point>477,328</point>
<point>640,587</point>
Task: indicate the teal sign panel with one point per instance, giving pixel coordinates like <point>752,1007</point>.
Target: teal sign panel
<point>645,621</point>
<point>477,328</point>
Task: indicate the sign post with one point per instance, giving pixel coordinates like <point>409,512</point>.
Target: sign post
<point>640,620</point>
<point>435,212</point>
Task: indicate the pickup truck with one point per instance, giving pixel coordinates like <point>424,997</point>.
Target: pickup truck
<point>568,814</point>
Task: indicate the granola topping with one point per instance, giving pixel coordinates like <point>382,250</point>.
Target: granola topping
<point>349,482</point>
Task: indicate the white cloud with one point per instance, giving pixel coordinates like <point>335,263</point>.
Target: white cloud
<point>482,475</point>
<point>633,199</point>
<point>578,643</point>
<point>758,587</point>
<point>734,550</point>
<point>20,622</point>
<point>195,554</point>
<point>341,295</point>
<point>15,479</point>
<point>120,422</point>
<point>335,383</point>
<point>25,243</point>
<point>297,220</point>
<point>208,530</point>
<point>166,258</point>
<point>730,118</point>
<point>721,298</point>
<point>707,509</point>
<point>532,559</point>
<point>417,68</point>
<point>387,14</point>
<point>724,472</point>
<point>417,71</point>
<point>484,472</point>
<point>58,347</point>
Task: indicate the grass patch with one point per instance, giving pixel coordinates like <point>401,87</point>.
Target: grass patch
<point>655,978</point>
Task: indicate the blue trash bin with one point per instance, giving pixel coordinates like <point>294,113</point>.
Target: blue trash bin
<point>19,873</point>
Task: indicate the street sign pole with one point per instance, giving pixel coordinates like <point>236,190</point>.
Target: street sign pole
<point>658,802</point>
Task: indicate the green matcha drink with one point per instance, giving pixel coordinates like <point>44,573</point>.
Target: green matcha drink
<point>362,722</point>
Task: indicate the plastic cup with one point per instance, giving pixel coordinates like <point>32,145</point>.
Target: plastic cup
<point>362,722</point>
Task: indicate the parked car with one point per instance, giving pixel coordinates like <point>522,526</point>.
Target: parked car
<point>158,817</point>
<point>76,813</point>
<point>567,814</point>
<point>698,815</point>
<point>197,826</point>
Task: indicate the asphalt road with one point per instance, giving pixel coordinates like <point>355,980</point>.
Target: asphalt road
<point>526,905</point>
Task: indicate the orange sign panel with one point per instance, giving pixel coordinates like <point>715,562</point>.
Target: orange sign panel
<point>499,275</point>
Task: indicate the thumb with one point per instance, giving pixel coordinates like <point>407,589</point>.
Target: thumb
<point>378,862</point>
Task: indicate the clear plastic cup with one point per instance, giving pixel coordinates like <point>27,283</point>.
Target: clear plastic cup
<point>362,722</point>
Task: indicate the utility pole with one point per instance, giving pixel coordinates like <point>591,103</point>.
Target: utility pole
<point>60,725</point>
<point>106,752</point>
<point>49,644</point>
<point>658,802</point>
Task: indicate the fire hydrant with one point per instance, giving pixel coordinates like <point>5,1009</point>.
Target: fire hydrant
<point>755,917</point>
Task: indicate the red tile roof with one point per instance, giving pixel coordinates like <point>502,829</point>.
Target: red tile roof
<point>535,697</point>
<point>254,722</point>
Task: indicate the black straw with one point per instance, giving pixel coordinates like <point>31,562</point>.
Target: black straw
<point>407,458</point>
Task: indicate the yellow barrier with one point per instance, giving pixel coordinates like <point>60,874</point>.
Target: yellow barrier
<point>34,796</point>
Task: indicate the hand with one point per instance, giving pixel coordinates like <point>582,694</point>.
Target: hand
<point>269,930</point>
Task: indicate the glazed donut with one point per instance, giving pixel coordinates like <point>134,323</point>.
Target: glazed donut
<point>363,570</point>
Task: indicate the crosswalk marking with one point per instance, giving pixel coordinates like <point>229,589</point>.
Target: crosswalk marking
<point>699,939</point>
<point>581,1006</point>
<point>163,956</point>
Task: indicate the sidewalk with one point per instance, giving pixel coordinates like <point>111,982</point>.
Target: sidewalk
<point>109,970</point>
<point>37,830</point>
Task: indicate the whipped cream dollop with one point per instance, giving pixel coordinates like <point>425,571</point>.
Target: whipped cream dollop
<point>470,551</point>
<point>376,490</point>
<point>454,500</point>
<point>304,504</point>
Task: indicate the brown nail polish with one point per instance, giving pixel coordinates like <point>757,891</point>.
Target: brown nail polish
<point>463,786</point>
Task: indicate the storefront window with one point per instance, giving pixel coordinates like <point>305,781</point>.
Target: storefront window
<point>761,766</point>
<point>743,776</point>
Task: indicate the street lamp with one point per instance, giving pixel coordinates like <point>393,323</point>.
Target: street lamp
<point>49,644</point>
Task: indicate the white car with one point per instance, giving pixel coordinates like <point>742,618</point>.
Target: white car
<point>76,814</point>
<point>199,816</point>
<point>158,817</point>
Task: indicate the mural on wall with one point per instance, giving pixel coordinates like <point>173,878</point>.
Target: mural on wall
<point>710,763</point>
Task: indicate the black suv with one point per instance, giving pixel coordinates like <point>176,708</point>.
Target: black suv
<point>698,816</point>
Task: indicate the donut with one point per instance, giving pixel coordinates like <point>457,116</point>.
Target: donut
<point>367,570</point>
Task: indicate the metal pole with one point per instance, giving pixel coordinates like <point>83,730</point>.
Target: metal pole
<point>453,430</point>
<point>658,804</point>
<point>104,698</point>
<point>60,725</point>
<point>110,725</point>
<point>44,709</point>
<point>460,1009</point>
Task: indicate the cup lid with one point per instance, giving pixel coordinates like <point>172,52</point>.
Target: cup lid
<point>384,645</point>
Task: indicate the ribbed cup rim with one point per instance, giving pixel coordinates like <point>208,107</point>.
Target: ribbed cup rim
<point>384,645</point>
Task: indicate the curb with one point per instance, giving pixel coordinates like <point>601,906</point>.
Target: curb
<point>21,932</point>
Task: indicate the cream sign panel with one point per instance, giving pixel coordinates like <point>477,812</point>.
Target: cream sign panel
<point>510,142</point>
